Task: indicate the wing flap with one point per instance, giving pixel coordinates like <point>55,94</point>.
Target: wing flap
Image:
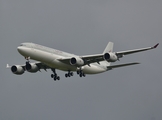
<point>42,66</point>
<point>88,59</point>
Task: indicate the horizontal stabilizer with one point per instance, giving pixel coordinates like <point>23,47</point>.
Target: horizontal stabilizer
<point>121,65</point>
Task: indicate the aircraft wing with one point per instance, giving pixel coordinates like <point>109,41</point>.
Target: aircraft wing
<point>121,65</point>
<point>121,53</point>
<point>42,66</point>
<point>38,64</point>
<point>88,59</point>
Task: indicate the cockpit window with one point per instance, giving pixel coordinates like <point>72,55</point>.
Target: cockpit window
<point>22,44</point>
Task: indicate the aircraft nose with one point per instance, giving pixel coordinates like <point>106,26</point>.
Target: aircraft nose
<point>19,48</point>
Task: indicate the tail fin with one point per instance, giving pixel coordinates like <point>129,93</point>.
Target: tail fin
<point>109,48</point>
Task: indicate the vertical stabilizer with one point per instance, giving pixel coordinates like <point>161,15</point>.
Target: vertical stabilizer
<point>109,48</point>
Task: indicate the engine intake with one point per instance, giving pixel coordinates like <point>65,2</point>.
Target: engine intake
<point>31,67</point>
<point>106,56</point>
<point>76,61</point>
<point>110,57</point>
<point>16,69</point>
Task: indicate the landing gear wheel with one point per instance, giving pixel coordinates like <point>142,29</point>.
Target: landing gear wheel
<point>55,77</point>
<point>71,74</point>
<point>52,75</point>
<point>78,72</point>
<point>80,75</point>
<point>58,78</point>
<point>66,75</point>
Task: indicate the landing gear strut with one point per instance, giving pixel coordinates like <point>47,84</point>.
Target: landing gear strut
<point>54,75</point>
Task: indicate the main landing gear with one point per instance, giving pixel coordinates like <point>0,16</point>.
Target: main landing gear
<point>80,73</point>
<point>54,75</point>
<point>69,74</point>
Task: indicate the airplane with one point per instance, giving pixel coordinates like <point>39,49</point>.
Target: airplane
<point>55,59</point>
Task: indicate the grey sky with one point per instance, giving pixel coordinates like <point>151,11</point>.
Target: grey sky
<point>82,27</point>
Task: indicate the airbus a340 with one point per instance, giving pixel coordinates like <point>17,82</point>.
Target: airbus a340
<point>55,59</point>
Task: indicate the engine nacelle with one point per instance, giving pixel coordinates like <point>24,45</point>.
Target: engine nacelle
<point>32,67</point>
<point>18,70</point>
<point>76,61</point>
<point>110,57</point>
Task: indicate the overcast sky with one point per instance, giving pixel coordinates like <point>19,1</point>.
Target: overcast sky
<point>82,27</point>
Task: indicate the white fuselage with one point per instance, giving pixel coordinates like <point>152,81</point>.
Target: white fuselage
<point>50,57</point>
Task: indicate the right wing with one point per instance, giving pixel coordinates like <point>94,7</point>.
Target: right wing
<point>121,65</point>
<point>88,59</point>
<point>121,53</point>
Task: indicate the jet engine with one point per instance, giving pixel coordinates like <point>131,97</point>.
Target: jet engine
<point>18,70</point>
<point>32,67</point>
<point>110,57</point>
<point>76,61</point>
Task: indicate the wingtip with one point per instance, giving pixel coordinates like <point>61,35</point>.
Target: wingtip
<point>156,45</point>
<point>136,63</point>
